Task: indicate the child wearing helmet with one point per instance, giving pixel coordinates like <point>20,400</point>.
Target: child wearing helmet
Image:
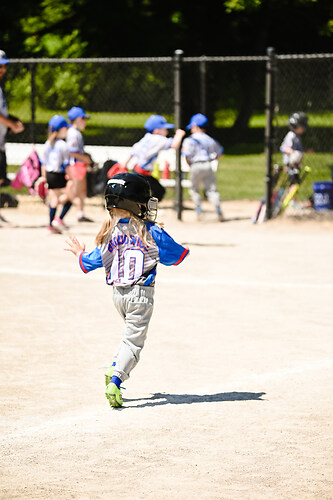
<point>55,161</point>
<point>199,150</point>
<point>147,149</point>
<point>292,148</point>
<point>129,245</point>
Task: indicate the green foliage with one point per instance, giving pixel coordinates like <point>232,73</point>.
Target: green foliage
<point>56,86</point>
<point>51,12</point>
<point>327,29</point>
<point>242,5</point>
<point>53,45</point>
<point>65,85</point>
<point>18,87</point>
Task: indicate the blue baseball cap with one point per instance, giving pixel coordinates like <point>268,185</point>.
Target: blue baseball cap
<point>57,122</point>
<point>76,112</point>
<point>199,120</point>
<point>3,58</point>
<point>157,121</point>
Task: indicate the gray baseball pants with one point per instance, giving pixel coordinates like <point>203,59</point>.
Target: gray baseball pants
<point>202,175</point>
<point>135,305</point>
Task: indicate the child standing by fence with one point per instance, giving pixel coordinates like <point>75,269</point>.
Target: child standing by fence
<point>199,150</point>
<point>79,160</point>
<point>292,149</point>
<point>129,246</point>
<point>55,161</point>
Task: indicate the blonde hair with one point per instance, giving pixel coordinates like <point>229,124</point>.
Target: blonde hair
<point>111,221</point>
<point>52,136</point>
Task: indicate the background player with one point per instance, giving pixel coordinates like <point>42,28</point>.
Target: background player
<point>79,160</point>
<point>55,162</point>
<point>129,246</point>
<point>292,148</point>
<point>199,150</point>
<point>147,149</point>
<point>6,122</point>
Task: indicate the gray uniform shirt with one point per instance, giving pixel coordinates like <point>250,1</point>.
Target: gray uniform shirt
<point>292,141</point>
<point>147,149</point>
<point>74,141</point>
<point>200,147</point>
<point>3,128</point>
<point>56,158</point>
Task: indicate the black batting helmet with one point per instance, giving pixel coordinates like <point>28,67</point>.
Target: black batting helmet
<point>130,192</point>
<point>298,119</point>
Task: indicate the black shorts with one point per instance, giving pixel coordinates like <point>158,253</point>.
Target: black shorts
<point>56,180</point>
<point>3,165</point>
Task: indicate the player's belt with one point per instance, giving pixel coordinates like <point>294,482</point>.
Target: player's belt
<point>201,161</point>
<point>141,171</point>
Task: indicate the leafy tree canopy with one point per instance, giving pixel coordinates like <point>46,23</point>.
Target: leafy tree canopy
<point>72,28</point>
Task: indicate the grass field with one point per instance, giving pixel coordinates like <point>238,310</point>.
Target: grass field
<point>223,118</point>
<point>240,175</point>
<point>243,177</point>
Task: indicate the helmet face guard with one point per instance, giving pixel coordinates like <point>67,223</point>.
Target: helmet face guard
<point>131,192</point>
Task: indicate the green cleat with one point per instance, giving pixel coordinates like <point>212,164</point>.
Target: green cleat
<point>108,375</point>
<point>114,396</point>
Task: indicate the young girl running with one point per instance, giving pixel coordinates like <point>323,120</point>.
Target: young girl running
<point>55,161</point>
<point>129,246</point>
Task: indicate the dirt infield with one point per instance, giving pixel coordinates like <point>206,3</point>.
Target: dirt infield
<point>232,398</point>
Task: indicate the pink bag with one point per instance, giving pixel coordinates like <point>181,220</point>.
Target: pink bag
<point>28,173</point>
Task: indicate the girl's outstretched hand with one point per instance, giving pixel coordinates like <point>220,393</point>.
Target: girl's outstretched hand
<point>74,245</point>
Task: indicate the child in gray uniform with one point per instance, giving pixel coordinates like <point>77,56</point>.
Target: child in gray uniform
<point>147,149</point>
<point>199,150</point>
<point>292,149</point>
<point>129,247</point>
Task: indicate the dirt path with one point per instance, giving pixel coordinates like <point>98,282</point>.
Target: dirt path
<point>232,398</point>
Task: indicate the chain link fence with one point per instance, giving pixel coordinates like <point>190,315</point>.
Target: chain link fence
<point>305,83</point>
<point>120,94</point>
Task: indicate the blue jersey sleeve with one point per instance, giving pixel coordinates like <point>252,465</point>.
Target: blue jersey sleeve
<point>90,261</point>
<point>170,252</point>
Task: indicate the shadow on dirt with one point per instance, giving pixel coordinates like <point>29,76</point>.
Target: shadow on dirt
<point>160,399</point>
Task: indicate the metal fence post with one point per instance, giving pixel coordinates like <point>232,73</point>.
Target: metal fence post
<point>177,60</point>
<point>269,139</point>
<point>33,102</point>
<point>203,73</point>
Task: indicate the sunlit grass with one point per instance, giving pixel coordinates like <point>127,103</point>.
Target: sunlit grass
<point>243,177</point>
<point>223,118</point>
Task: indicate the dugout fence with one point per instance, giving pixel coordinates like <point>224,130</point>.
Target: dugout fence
<point>247,100</point>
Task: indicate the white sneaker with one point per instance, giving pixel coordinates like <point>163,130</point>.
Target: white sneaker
<point>59,223</point>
